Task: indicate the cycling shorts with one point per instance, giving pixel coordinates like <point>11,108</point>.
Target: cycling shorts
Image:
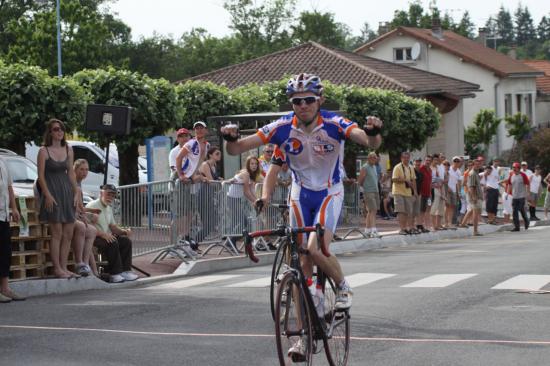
<point>314,207</point>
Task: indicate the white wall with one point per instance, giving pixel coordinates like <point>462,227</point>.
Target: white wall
<point>542,106</point>
<point>442,62</point>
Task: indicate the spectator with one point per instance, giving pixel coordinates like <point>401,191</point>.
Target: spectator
<point>209,168</point>
<point>386,196</point>
<point>492,192</point>
<point>518,187</point>
<point>454,184</point>
<point>368,179</point>
<point>506,206</point>
<point>7,209</point>
<point>417,197</point>
<point>265,159</point>
<point>188,160</point>
<point>425,194</point>
<point>437,210</point>
<point>284,177</point>
<point>475,195</point>
<point>403,180</point>
<point>525,169</point>
<point>84,230</point>
<point>547,198</point>
<point>467,212</point>
<point>535,187</point>
<point>242,185</point>
<point>112,241</point>
<point>58,193</point>
<point>182,136</point>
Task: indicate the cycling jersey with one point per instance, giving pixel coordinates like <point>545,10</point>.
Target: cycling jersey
<point>316,159</point>
<point>192,159</point>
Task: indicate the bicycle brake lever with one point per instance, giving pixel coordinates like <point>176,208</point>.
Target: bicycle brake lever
<point>259,205</point>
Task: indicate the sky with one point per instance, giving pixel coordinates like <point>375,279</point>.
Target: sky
<point>174,17</point>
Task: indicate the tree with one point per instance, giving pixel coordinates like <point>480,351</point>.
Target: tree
<point>518,127</point>
<point>321,28</point>
<point>537,149</point>
<point>89,38</point>
<point>543,29</point>
<point>465,27</point>
<point>28,98</point>
<point>505,27</point>
<point>261,28</point>
<point>525,30</point>
<point>479,136</point>
<point>408,122</point>
<point>155,109</point>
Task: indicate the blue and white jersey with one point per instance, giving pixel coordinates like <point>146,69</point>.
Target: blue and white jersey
<point>192,160</point>
<point>316,159</point>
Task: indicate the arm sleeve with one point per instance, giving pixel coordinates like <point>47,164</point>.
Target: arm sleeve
<point>278,157</point>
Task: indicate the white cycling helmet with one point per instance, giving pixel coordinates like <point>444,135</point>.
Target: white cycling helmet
<point>304,83</point>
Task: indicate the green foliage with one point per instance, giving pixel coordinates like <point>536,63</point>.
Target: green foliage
<point>28,98</point>
<point>479,136</point>
<point>518,127</point>
<point>525,30</point>
<point>536,150</point>
<point>202,99</point>
<point>505,27</point>
<point>408,122</point>
<point>155,109</point>
<point>321,28</point>
<point>89,38</point>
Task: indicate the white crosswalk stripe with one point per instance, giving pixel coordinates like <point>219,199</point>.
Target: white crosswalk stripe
<point>360,279</point>
<point>258,282</point>
<point>442,280</point>
<point>194,282</point>
<point>524,282</point>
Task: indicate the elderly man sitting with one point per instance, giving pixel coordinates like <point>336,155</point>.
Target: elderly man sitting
<point>112,241</point>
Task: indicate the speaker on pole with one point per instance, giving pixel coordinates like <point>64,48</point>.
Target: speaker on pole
<point>108,119</point>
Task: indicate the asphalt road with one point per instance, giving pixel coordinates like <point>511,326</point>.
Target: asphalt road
<point>447,303</point>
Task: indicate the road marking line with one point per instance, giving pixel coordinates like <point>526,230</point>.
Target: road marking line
<point>259,282</point>
<point>360,279</point>
<point>523,282</point>
<point>249,335</point>
<point>192,282</point>
<point>442,280</point>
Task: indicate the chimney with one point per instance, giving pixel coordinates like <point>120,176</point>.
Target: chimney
<point>383,28</point>
<point>482,37</point>
<point>436,27</point>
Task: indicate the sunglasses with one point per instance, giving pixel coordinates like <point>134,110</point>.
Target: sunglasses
<point>269,151</point>
<point>456,161</point>
<point>57,129</point>
<point>308,100</point>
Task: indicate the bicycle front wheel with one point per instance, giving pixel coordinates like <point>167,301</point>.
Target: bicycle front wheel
<point>293,328</point>
<point>338,328</point>
<point>280,265</point>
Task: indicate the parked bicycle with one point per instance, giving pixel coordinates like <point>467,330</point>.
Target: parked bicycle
<point>302,322</point>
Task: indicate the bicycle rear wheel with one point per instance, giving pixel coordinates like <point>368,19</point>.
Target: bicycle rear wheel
<point>293,322</point>
<point>280,265</point>
<point>338,328</point>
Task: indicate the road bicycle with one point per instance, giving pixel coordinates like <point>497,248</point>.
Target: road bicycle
<point>297,316</point>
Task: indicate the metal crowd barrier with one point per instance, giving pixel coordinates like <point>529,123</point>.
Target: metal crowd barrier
<point>164,215</point>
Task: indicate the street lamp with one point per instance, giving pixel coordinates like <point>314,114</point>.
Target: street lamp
<point>58,26</point>
<point>59,71</point>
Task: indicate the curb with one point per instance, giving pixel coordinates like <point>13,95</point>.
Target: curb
<point>54,286</point>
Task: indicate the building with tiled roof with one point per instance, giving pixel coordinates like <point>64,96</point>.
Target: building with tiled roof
<point>507,85</point>
<point>542,103</point>
<point>348,68</point>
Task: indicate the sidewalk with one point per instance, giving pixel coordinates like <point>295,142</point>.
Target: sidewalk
<point>171,268</point>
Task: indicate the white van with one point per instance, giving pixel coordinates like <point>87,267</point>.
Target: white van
<point>96,160</point>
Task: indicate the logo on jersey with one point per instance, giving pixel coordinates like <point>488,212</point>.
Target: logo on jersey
<point>195,149</point>
<point>294,146</point>
<point>265,130</point>
<point>323,149</point>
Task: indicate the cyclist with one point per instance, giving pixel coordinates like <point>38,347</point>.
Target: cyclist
<point>312,141</point>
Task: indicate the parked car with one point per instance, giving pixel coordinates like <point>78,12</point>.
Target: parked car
<point>24,173</point>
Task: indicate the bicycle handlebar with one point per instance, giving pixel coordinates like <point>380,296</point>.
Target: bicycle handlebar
<point>318,229</point>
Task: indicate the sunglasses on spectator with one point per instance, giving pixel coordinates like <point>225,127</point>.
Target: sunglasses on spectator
<point>57,129</point>
<point>269,151</point>
<point>456,161</point>
<point>308,100</point>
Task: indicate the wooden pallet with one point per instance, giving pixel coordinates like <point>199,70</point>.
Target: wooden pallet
<point>25,273</point>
